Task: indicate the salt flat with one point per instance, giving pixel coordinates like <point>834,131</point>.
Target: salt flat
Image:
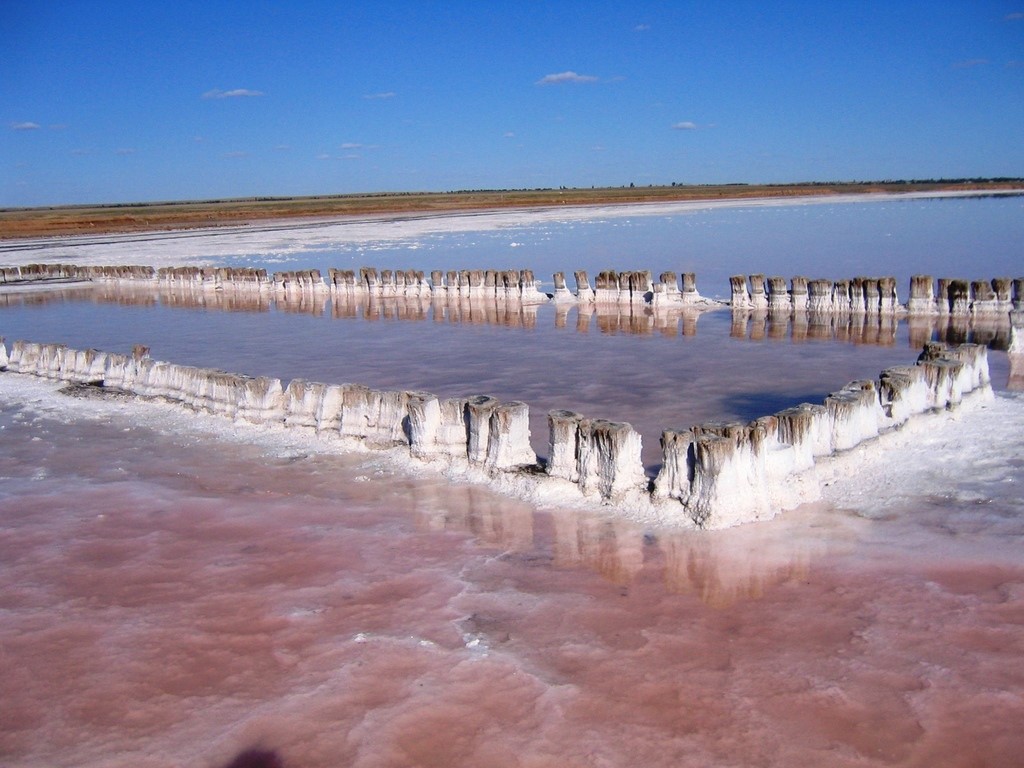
<point>282,238</point>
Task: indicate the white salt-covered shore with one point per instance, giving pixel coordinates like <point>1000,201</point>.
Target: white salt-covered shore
<point>284,238</point>
<point>714,475</point>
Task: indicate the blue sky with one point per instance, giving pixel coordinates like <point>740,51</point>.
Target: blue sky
<point>122,101</point>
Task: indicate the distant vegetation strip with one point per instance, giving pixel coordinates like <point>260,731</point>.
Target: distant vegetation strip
<point>190,214</point>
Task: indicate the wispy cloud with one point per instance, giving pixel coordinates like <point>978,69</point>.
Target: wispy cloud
<point>685,125</point>
<point>508,135</point>
<point>26,126</point>
<point>236,154</point>
<point>1017,16</point>
<point>352,145</point>
<point>382,95</point>
<point>641,27</point>
<point>124,151</point>
<point>968,63</point>
<point>566,77</point>
<point>234,93</point>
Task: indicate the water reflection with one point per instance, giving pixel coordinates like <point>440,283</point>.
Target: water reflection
<point>719,568</point>
<point>493,520</point>
<point>624,319</point>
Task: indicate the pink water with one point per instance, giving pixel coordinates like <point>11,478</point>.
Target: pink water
<point>170,598</point>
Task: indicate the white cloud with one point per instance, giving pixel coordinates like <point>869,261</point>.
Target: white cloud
<point>235,93</point>
<point>641,27</point>
<point>685,125</point>
<point>236,154</point>
<point>508,135</point>
<point>26,126</point>
<point>968,63</point>
<point>124,151</point>
<point>1017,16</point>
<point>323,157</point>
<point>351,145</point>
<point>566,77</point>
<point>384,95</point>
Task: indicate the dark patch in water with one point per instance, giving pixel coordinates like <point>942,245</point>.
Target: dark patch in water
<point>753,405</point>
<point>256,758</point>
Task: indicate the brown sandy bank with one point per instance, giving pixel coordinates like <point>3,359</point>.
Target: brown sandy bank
<point>134,217</point>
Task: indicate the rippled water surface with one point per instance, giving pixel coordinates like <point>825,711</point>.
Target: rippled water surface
<point>174,589</point>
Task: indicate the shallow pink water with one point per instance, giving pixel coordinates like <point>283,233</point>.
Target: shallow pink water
<point>169,599</point>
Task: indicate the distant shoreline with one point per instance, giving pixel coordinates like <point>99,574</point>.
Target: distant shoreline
<point>65,221</point>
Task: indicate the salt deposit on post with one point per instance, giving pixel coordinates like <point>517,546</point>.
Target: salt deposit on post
<point>712,475</point>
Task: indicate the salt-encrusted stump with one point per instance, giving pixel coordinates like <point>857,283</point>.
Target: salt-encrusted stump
<point>478,411</point>
<point>739,296</point>
<point>1003,289</point>
<point>609,458</point>
<point>562,293</point>
<point>563,444</point>
<point>508,437</point>
<point>984,300</point>
<point>584,292</point>
<point>798,294</point>
<point>675,477</point>
<point>261,400</point>
<point>903,391</point>
<point>374,416</point>
<point>424,423</point>
<point>1015,351</point>
<point>888,301</point>
<point>922,296</point>
<point>820,296</point>
<point>758,297</point>
<point>854,413</point>
<point>302,401</point>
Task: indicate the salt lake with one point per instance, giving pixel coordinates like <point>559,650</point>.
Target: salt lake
<point>176,590</point>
